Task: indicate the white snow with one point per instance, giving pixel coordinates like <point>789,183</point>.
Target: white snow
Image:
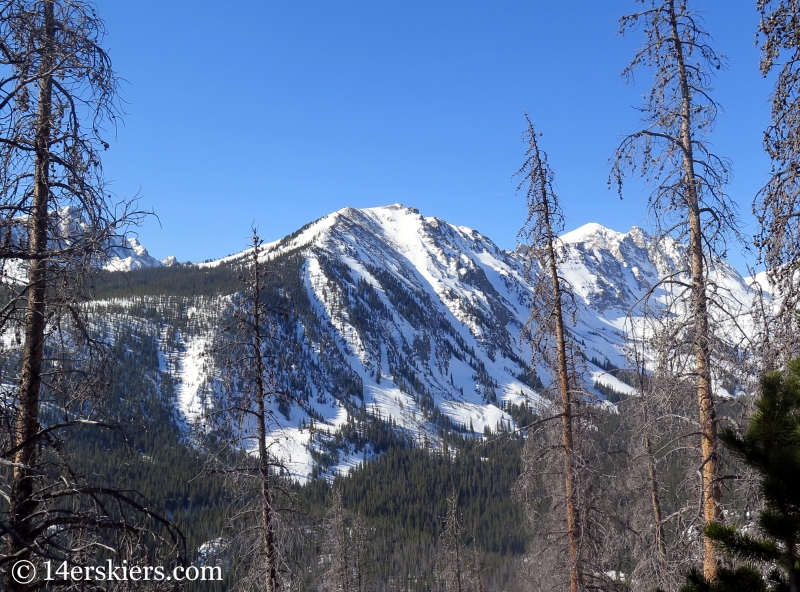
<point>130,254</point>
<point>466,283</point>
<point>191,374</point>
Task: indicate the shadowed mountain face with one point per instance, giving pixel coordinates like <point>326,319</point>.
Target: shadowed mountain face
<point>397,320</point>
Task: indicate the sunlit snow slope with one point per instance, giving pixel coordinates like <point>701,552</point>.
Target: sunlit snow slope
<point>417,322</point>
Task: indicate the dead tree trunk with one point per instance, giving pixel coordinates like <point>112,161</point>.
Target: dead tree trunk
<point>688,201</point>
<point>451,568</point>
<point>573,525</point>
<point>549,337</point>
<point>267,511</point>
<point>708,422</point>
<point>23,505</point>
<point>655,500</point>
<point>344,575</point>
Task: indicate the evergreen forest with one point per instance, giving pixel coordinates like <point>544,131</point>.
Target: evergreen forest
<point>385,401</point>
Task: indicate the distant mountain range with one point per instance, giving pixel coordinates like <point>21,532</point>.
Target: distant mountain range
<point>129,254</point>
<point>396,318</point>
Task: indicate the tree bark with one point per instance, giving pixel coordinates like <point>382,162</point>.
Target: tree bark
<point>458,566</point>
<point>708,423</point>
<point>267,512</point>
<point>656,502</point>
<point>573,525</point>
<point>22,505</point>
<point>652,474</point>
<point>345,576</point>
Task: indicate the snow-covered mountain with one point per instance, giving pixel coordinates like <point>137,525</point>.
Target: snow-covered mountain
<point>404,318</point>
<point>125,252</point>
<point>128,253</point>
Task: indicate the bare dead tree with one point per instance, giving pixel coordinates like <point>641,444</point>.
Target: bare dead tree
<point>660,422</point>
<point>451,565</point>
<point>240,422</point>
<point>672,153</point>
<point>361,563</point>
<point>777,205</point>
<point>552,296</point>
<point>660,483</point>
<point>337,546</point>
<point>477,563</point>
<point>344,548</point>
<point>58,223</point>
<point>457,570</point>
<point>561,517</point>
<point>658,563</point>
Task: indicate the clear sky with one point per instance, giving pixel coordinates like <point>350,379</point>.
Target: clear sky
<point>280,112</point>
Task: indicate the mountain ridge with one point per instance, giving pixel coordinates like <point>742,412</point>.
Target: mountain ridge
<point>408,320</point>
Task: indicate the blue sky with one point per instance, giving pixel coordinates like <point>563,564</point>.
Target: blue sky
<point>282,112</point>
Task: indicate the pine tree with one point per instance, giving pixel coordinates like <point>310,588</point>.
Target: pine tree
<point>771,447</point>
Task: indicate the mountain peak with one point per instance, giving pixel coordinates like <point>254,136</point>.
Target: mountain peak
<point>396,206</point>
<point>592,233</point>
<point>417,322</point>
<point>128,253</point>
<point>599,236</point>
<point>391,212</point>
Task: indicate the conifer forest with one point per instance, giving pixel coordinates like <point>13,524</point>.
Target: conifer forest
<point>384,400</point>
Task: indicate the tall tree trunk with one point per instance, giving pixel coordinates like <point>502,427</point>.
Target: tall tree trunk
<point>458,567</point>
<point>655,499</point>
<point>652,473</point>
<point>267,512</point>
<point>573,524</point>
<point>345,576</point>
<point>267,517</point>
<point>359,554</point>
<point>22,505</point>
<point>708,424</point>
<point>476,563</point>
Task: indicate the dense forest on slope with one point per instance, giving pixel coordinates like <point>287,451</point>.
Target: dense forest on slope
<point>400,494</point>
<point>178,280</point>
<point>402,498</point>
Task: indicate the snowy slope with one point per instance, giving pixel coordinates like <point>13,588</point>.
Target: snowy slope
<point>417,322</point>
<point>128,253</point>
<point>123,252</point>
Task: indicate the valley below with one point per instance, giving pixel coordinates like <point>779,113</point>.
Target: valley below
<point>401,377</point>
